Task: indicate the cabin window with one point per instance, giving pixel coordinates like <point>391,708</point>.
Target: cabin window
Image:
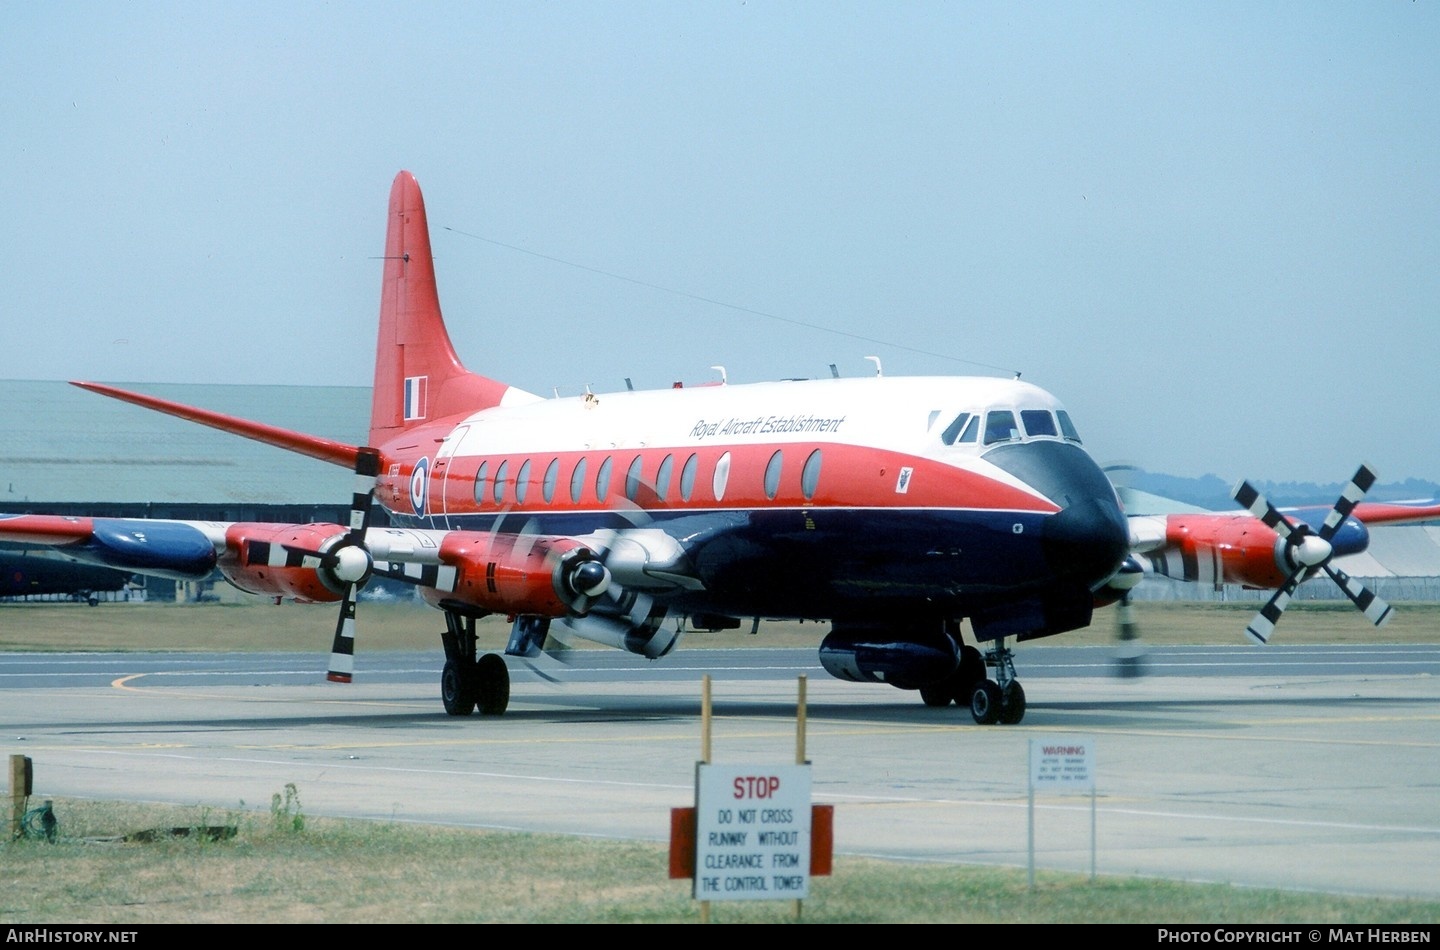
<point>602,480</point>
<point>1068,427</point>
<point>721,477</point>
<point>577,481</point>
<point>1038,422</point>
<point>501,473</point>
<point>952,431</point>
<point>810,475</point>
<point>522,482</point>
<point>480,474</point>
<point>687,478</point>
<point>1000,426</point>
<point>662,477</point>
<point>772,474</point>
<point>552,475</point>
<point>632,479</point>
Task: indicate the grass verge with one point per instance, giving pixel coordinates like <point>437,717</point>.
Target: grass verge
<point>256,626</point>
<point>283,867</point>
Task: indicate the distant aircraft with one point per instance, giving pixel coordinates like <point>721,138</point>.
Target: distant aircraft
<point>27,573</point>
<point>892,508</point>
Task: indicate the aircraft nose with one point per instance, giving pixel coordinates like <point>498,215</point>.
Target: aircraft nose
<point>1087,541</point>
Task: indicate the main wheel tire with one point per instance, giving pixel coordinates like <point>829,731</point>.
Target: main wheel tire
<point>938,695</point>
<point>457,690</point>
<point>985,703</point>
<point>1012,704</point>
<point>492,685</point>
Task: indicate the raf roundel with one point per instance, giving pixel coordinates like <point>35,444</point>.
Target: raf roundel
<point>418,480</point>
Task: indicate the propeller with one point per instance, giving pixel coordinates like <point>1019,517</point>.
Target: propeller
<point>350,562</point>
<point>606,610</point>
<point>1309,552</point>
<point>1129,657</point>
<point>1129,651</point>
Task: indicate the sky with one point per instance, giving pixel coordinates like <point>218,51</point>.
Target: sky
<point>1211,229</point>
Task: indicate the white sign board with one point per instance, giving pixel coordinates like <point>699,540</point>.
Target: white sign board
<point>1062,765</point>
<point>752,832</point>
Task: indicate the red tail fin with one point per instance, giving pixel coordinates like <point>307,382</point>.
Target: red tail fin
<point>418,377</point>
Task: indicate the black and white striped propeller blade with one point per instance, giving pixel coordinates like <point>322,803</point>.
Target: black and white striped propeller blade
<point>1374,609</point>
<point>352,564</point>
<point>1263,625</point>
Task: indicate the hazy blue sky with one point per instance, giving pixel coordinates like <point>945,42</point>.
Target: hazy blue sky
<point>1212,229</point>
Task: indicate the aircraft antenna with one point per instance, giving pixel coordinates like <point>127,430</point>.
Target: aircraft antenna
<point>721,303</point>
<point>721,371</point>
<point>876,361</point>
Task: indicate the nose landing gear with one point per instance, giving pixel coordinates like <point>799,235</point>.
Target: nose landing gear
<point>1001,700</point>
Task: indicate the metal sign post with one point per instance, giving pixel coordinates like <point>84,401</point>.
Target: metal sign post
<point>1065,764</point>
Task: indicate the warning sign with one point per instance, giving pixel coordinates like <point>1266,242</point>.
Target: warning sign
<point>1062,764</point>
<point>752,832</point>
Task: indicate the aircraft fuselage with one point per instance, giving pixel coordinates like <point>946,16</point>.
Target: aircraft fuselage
<point>768,487</point>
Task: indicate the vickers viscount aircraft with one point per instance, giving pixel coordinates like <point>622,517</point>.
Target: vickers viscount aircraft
<point>892,508</point>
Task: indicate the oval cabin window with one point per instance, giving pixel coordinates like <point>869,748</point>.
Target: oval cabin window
<point>772,474</point>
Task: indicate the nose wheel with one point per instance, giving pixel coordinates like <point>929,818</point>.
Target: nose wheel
<point>1001,700</point>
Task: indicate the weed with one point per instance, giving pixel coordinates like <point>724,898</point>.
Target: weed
<point>285,812</point>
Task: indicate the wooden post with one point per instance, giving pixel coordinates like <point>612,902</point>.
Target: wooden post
<point>705,758</point>
<point>19,792</point>
<point>800,755</point>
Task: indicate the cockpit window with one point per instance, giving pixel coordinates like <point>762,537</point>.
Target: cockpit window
<point>1000,426</point>
<point>965,428</point>
<point>952,431</point>
<point>1038,422</point>
<point>1068,427</point>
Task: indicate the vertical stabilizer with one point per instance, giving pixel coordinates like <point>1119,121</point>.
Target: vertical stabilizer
<point>418,377</point>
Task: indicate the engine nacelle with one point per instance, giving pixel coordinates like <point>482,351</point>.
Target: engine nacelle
<point>523,574</point>
<point>881,655</point>
<point>1240,550</point>
<point>628,621</point>
<point>267,559</point>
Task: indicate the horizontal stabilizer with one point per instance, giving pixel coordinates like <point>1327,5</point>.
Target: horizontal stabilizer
<point>316,447</point>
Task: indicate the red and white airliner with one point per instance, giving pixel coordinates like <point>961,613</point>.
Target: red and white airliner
<point>893,508</point>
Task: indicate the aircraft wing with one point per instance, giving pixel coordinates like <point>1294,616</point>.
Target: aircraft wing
<point>176,549</point>
<point>510,573</point>
<point>1269,548</point>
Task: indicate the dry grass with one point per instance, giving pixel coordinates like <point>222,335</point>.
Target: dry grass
<point>335,871</point>
<point>260,626</point>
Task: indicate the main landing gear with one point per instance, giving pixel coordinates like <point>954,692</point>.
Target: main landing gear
<point>468,683</point>
<point>1001,700</point>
